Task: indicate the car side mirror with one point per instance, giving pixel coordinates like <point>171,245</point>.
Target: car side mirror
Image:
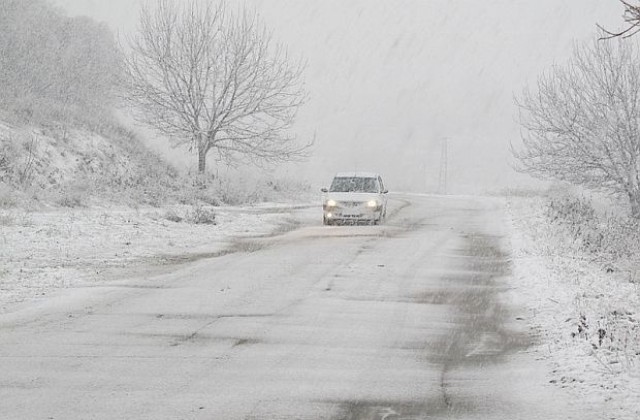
<point>324,190</point>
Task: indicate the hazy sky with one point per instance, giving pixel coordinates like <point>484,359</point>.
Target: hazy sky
<point>391,80</point>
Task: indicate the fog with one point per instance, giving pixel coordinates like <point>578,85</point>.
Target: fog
<point>393,83</point>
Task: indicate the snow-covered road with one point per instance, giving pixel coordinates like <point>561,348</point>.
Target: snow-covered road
<point>409,320</point>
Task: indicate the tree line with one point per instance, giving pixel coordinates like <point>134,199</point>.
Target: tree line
<point>53,64</point>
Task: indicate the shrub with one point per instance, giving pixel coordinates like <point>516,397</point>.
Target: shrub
<point>605,236</point>
<point>200,215</point>
<point>69,200</point>
<point>172,216</point>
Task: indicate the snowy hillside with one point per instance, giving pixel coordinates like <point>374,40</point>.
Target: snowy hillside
<point>77,167</point>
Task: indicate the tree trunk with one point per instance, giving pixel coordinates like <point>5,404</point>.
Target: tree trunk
<point>202,160</point>
<point>634,201</point>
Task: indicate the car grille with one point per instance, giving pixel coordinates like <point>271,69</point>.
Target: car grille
<point>350,203</point>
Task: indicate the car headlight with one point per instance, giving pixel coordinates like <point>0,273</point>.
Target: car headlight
<point>372,203</point>
<point>331,203</point>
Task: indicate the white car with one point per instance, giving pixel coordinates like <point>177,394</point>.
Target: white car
<point>355,197</point>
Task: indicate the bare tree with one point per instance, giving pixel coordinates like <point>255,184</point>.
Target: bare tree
<point>582,123</point>
<point>212,78</point>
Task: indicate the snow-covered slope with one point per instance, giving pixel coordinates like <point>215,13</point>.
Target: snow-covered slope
<point>77,166</point>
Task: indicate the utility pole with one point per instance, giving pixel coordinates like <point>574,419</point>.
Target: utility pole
<point>444,163</point>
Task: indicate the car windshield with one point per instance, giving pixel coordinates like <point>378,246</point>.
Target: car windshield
<point>354,184</point>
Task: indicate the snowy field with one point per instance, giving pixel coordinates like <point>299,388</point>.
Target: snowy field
<point>44,251</point>
<point>588,319</point>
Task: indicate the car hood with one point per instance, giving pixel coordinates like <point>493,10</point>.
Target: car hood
<point>351,196</point>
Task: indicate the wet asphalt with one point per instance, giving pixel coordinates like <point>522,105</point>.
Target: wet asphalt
<point>409,320</point>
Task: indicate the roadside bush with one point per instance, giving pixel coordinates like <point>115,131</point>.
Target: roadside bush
<point>236,193</point>
<point>605,236</point>
<point>240,188</point>
<point>196,214</point>
<point>577,216</point>
<point>200,215</point>
<point>574,211</point>
<point>172,216</point>
<point>69,200</point>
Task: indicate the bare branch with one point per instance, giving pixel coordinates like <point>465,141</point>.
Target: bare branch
<point>631,16</point>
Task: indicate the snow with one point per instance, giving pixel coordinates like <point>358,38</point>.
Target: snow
<point>567,299</point>
<point>43,251</point>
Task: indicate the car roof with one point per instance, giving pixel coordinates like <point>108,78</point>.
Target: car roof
<point>356,175</point>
